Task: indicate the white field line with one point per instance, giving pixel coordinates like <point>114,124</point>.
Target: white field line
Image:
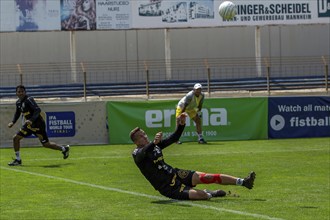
<point>144,195</point>
<point>178,155</point>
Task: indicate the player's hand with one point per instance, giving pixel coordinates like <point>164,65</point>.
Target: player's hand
<point>28,122</point>
<point>10,124</point>
<point>158,137</point>
<point>181,119</point>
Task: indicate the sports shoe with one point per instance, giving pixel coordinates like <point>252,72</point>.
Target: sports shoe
<point>216,193</point>
<point>178,142</point>
<point>15,163</point>
<point>66,152</point>
<point>249,180</point>
<point>202,141</point>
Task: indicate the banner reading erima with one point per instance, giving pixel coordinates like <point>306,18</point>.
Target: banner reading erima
<point>222,119</point>
<point>60,124</point>
<point>295,117</point>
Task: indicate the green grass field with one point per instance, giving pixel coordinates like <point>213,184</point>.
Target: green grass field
<point>102,182</point>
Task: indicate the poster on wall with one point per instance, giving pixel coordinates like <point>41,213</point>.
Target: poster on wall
<point>204,13</point>
<point>60,124</point>
<point>297,117</point>
<point>40,15</point>
<point>29,15</point>
<point>78,14</point>
<point>113,14</point>
<point>184,13</point>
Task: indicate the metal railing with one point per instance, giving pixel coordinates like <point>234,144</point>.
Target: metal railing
<point>156,76</point>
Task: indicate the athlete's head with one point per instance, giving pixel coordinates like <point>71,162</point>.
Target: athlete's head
<point>197,89</point>
<point>20,91</point>
<point>139,137</point>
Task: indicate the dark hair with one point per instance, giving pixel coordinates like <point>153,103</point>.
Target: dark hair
<point>20,87</point>
<point>133,132</point>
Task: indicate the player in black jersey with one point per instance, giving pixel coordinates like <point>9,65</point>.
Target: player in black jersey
<point>172,182</point>
<point>34,124</point>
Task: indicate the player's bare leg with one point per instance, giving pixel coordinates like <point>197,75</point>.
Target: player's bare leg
<point>196,194</point>
<point>65,149</point>
<point>198,123</point>
<point>17,145</point>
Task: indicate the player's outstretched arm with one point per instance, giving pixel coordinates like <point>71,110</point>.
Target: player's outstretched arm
<point>174,137</point>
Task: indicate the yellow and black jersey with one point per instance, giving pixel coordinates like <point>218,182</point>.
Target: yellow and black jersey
<point>29,108</point>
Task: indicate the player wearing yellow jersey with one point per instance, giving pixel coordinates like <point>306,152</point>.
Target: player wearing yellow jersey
<point>192,104</point>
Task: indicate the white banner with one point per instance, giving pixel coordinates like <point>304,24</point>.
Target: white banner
<point>204,13</point>
<point>88,125</point>
<point>113,14</point>
<point>35,15</point>
<point>29,15</point>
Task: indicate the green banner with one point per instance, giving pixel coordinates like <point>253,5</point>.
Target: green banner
<point>223,119</point>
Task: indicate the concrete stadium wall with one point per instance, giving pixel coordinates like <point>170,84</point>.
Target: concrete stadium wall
<point>89,119</point>
<point>132,45</point>
<point>109,122</point>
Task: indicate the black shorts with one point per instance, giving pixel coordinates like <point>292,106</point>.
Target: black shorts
<point>38,128</point>
<point>180,185</point>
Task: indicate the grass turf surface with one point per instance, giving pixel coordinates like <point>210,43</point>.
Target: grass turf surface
<point>102,182</point>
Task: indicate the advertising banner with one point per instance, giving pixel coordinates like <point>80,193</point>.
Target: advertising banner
<point>78,14</point>
<point>29,15</point>
<point>60,124</point>
<point>40,15</point>
<point>204,13</point>
<point>112,14</point>
<point>222,119</point>
<point>296,117</point>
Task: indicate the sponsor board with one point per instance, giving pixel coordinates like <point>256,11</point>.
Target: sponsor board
<point>295,117</point>
<point>60,124</point>
<point>222,119</point>
<point>66,15</point>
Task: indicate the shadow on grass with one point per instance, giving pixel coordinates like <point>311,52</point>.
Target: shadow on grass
<point>240,199</point>
<point>56,165</point>
<point>170,202</point>
<point>49,166</point>
<point>308,207</point>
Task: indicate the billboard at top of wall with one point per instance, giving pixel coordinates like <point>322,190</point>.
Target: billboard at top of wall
<point>204,13</point>
<point>29,15</point>
<point>48,15</point>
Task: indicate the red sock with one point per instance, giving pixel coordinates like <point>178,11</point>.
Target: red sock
<point>210,178</point>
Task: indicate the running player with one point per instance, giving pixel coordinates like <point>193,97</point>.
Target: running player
<point>172,182</point>
<point>34,124</point>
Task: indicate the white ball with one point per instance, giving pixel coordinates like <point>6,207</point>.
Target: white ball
<point>227,10</point>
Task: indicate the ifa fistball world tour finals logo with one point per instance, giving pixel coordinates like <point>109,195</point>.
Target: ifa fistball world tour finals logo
<point>323,8</point>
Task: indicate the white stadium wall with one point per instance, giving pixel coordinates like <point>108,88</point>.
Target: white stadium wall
<point>135,45</point>
<point>134,30</point>
<point>68,123</point>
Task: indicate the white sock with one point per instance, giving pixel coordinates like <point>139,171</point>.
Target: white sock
<point>200,136</point>
<point>239,181</point>
<point>18,156</point>
<point>63,148</point>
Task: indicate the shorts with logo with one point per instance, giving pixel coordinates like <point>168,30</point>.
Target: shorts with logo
<point>180,185</point>
<point>38,128</point>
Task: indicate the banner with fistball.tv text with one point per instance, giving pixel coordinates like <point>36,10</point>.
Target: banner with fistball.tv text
<point>222,119</point>
<point>294,117</point>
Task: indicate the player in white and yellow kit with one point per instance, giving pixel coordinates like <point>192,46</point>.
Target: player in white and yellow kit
<point>192,104</point>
